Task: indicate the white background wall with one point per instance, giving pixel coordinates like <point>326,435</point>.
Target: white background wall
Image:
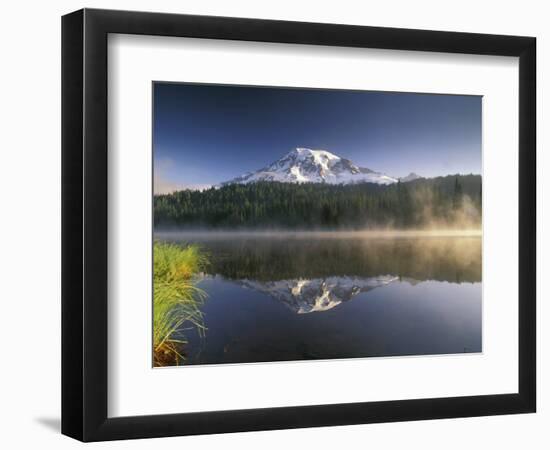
<point>30,226</point>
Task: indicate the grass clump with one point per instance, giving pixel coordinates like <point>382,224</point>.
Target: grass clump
<point>176,299</point>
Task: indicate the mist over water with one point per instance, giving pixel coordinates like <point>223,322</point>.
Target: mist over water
<point>279,295</point>
<point>209,234</point>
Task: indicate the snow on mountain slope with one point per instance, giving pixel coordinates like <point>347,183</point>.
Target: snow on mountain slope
<point>305,296</point>
<point>410,177</point>
<point>303,165</point>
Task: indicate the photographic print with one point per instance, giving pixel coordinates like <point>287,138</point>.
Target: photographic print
<point>308,224</point>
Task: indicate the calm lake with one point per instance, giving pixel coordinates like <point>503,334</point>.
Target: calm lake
<point>284,296</point>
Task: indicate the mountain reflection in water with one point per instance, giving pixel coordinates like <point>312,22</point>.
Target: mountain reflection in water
<point>305,296</point>
<point>368,297</point>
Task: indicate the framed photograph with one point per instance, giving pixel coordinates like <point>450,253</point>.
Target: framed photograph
<point>273,224</point>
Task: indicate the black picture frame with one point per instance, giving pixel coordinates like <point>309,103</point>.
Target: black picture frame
<point>84,224</point>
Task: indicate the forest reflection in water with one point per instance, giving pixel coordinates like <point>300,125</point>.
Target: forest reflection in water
<point>292,296</point>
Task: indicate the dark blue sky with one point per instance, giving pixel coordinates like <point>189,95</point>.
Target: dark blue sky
<point>204,134</point>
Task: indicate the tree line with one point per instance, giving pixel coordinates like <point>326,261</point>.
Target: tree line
<point>454,200</point>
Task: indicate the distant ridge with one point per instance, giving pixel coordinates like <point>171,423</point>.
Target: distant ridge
<point>410,177</point>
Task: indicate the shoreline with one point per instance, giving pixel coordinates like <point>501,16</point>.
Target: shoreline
<point>301,234</point>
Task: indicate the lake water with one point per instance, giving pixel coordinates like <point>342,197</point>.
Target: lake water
<point>281,297</point>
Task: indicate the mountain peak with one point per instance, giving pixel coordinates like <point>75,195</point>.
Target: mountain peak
<point>305,296</point>
<point>410,177</point>
<point>305,165</point>
<point>305,152</point>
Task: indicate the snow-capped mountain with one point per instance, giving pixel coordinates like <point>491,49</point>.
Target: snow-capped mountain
<point>303,165</point>
<point>410,177</point>
<point>306,296</point>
